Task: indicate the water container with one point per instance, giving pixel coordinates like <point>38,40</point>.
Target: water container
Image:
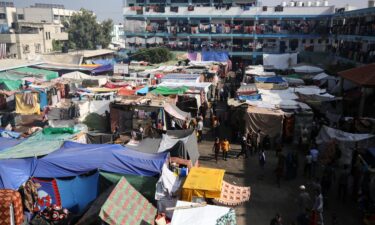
<point>292,4</point>
<point>284,4</point>
<point>326,3</point>
<point>309,3</point>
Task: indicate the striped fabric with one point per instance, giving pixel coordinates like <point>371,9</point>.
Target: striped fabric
<point>125,205</point>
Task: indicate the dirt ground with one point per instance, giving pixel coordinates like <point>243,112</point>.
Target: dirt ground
<point>267,198</point>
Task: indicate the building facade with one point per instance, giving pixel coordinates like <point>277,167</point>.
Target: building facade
<point>245,30</point>
<point>26,33</point>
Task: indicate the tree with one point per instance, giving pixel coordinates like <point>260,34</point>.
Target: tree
<point>152,55</point>
<point>86,33</point>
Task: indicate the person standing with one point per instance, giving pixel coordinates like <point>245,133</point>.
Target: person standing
<point>315,156</point>
<point>318,206</point>
<point>200,130</point>
<point>225,146</point>
<point>262,162</point>
<point>216,148</point>
<point>304,200</point>
<point>259,140</point>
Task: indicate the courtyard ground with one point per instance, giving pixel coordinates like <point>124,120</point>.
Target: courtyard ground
<point>267,198</point>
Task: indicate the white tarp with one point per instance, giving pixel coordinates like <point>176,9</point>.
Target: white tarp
<point>258,71</point>
<point>307,69</point>
<point>176,112</point>
<point>87,107</point>
<point>76,75</point>
<point>280,61</point>
<point>168,142</point>
<point>278,94</point>
<point>206,215</point>
<point>346,141</point>
<point>61,123</point>
<point>167,184</point>
<point>323,76</point>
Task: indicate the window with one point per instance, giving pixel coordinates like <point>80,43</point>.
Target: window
<point>56,17</point>
<point>48,35</point>
<point>2,16</point>
<point>38,48</point>
<point>21,16</point>
<point>26,48</point>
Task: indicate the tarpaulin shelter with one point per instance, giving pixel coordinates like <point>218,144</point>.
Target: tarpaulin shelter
<point>169,91</point>
<point>8,142</point>
<point>11,209</point>
<point>269,121</point>
<point>202,215</point>
<point>217,56</point>
<point>122,204</point>
<point>363,75</point>
<point>203,182</point>
<point>103,69</point>
<point>14,172</point>
<point>346,141</point>
<point>280,61</point>
<point>142,91</point>
<point>274,79</point>
<point>38,144</point>
<point>74,159</point>
<point>76,75</point>
<point>307,69</point>
<point>46,75</point>
<point>181,77</point>
<point>10,85</point>
<point>177,114</point>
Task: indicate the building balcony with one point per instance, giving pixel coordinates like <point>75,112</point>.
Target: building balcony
<point>232,12</point>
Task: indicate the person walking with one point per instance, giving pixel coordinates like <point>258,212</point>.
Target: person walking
<point>243,147</point>
<point>304,200</point>
<point>262,162</point>
<point>314,160</point>
<point>318,206</point>
<point>216,148</point>
<point>225,146</point>
<point>200,130</point>
<point>258,141</point>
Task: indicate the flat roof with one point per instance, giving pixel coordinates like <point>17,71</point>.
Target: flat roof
<point>92,53</point>
<point>10,64</point>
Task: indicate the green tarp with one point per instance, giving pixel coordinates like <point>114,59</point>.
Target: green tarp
<point>144,185</point>
<point>10,85</point>
<point>169,91</point>
<point>12,76</point>
<point>37,73</point>
<point>38,144</point>
<point>58,130</point>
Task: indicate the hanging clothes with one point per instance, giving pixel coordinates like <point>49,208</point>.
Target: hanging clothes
<point>30,195</point>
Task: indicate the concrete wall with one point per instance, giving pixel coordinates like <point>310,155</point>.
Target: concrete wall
<point>10,15</point>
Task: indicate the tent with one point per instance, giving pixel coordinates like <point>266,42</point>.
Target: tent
<point>169,91</point>
<point>202,215</point>
<point>14,172</point>
<point>177,114</point>
<point>280,61</point>
<point>121,204</point>
<point>45,75</point>
<point>76,75</point>
<point>38,144</point>
<point>73,159</point>
<point>274,79</point>
<point>203,182</point>
<point>346,141</point>
<point>10,85</point>
<point>8,142</point>
<point>103,69</point>
<point>307,69</point>
<point>142,91</point>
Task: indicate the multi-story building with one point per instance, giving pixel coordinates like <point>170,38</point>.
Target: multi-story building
<point>353,34</point>
<point>243,28</point>
<point>28,32</point>
<point>118,35</point>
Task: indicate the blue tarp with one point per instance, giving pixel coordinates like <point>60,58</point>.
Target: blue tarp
<point>77,193</point>
<point>103,68</point>
<point>142,91</point>
<point>8,142</point>
<point>43,99</point>
<point>104,61</point>
<point>9,134</point>
<point>14,172</point>
<point>74,159</point>
<point>217,56</point>
<point>250,97</point>
<point>274,79</point>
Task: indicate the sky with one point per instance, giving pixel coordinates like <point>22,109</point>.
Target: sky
<point>105,9</point>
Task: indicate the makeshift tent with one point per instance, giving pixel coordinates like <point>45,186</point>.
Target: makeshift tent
<point>181,77</point>
<point>363,75</point>
<point>275,80</point>
<point>10,85</point>
<point>27,103</point>
<point>142,91</point>
<point>76,75</point>
<point>38,144</point>
<point>46,75</point>
<point>280,61</point>
<point>346,141</point>
<point>202,182</point>
<point>74,159</point>
<point>307,69</point>
<point>217,56</point>
<point>77,193</point>
<point>103,69</point>
<point>270,122</point>
<point>145,185</point>
<point>177,114</point>
<point>14,172</point>
<point>193,213</point>
<point>127,206</point>
<point>169,91</point>
<point>8,142</point>
<point>11,209</point>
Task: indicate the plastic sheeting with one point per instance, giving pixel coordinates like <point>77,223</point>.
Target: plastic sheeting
<point>217,56</point>
<point>38,144</point>
<point>77,193</point>
<point>103,69</point>
<point>270,122</point>
<point>76,75</point>
<point>280,61</point>
<point>346,141</point>
<point>206,215</point>
<point>307,69</point>
<point>25,109</point>
<point>14,172</point>
<point>75,159</point>
<point>175,112</point>
<point>8,142</point>
<point>275,80</point>
<point>169,91</point>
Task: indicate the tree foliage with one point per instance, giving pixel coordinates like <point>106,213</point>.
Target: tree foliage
<point>86,33</point>
<point>152,55</point>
